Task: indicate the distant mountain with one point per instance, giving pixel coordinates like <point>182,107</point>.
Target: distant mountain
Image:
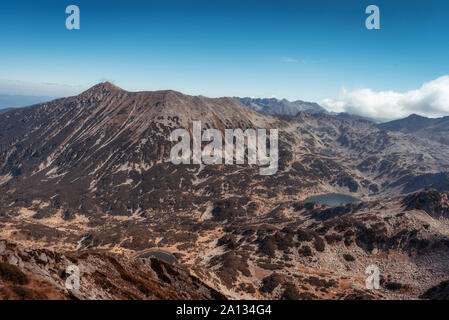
<point>352,116</point>
<point>14,101</point>
<point>436,129</point>
<point>5,110</point>
<point>412,123</point>
<point>275,106</point>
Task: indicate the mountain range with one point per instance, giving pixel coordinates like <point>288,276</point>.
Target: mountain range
<point>16,101</point>
<point>92,174</point>
<point>436,129</point>
<point>274,106</point>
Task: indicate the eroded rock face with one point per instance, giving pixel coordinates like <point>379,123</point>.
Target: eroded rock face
<point>434,203</point>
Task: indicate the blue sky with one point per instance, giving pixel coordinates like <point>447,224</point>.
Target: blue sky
<point>307,50</point>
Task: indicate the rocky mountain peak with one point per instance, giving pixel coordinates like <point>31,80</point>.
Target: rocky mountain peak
<point>416,116</point>
<point>102,89</point>
<point>106,86</point>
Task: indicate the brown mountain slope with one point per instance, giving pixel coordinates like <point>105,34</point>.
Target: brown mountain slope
<point>100,161</point>
<point>108,150</point>
<point>93,172</point>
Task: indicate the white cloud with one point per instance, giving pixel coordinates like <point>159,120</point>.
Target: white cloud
<point>431,100</point>
<point>289,60</point>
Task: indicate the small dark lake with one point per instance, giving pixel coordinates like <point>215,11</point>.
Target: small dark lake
<point>328,153</point>
<point>332,199</point>
<point>166,256</point>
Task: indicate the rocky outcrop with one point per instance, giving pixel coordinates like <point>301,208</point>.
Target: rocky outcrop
<point>40,274</point>
<point>438,292</point>
<point>434,203</point>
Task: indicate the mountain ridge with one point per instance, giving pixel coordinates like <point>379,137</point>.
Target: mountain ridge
<point>93,172</point>
<point>436,129</point>
<point>274,106</point>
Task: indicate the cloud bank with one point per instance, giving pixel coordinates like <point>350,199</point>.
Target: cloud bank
<point>430,100</point>
<point>19,87</point>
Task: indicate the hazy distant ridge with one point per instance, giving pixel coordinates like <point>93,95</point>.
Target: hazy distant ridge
<point>275,106</point>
